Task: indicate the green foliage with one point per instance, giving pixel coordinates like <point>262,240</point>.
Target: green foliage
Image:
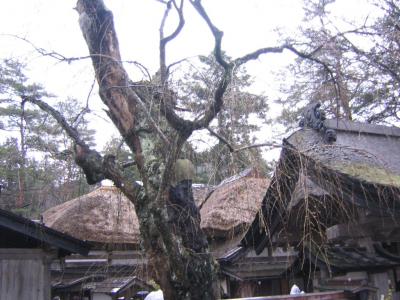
<point>196,91</point>
<point>360,79</point>
<point>9,158</point>
<point>37,169</point>
<point>237,121</point>
<point>217,163</point>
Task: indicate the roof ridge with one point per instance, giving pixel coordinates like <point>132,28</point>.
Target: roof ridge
<point>360,127</point>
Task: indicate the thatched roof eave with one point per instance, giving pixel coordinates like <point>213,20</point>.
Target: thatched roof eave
<point>103,216</point>
<point>232,207</point>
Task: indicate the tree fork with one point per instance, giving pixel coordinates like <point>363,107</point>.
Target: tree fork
<point>182,275</point>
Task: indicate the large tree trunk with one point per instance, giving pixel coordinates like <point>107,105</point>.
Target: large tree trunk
<point>184,270</point>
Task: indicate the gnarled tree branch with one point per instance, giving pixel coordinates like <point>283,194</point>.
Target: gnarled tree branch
<point>95,167</point>
<point>70,130</point>
<point>165,40</point>
<point>218,34</point>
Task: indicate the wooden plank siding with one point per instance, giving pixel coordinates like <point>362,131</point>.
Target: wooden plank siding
<point>25,274</point>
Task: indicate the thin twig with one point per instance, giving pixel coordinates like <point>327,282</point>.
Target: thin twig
<point>86,109</point>
<point>232,149</point>
<point>62,58</point>
<point>152,122</point>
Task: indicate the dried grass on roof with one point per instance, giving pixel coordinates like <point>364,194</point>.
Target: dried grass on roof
<point>107,216</point>
<point>104,215</point>
<point>233,206</point>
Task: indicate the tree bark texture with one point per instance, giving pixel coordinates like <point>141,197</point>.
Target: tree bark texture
<point>183,268</point>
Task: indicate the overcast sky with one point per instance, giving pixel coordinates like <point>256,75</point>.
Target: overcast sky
<point>247,25</point>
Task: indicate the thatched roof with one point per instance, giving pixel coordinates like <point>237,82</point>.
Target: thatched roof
<point>104,215</point>
<point>107,216</point>
<point>365,152</point>
<point>305,187</point>
<point>360,168</point>
<point>231,207</point>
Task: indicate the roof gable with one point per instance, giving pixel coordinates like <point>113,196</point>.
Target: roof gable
<point>361,166</point>
<point>369,153</point>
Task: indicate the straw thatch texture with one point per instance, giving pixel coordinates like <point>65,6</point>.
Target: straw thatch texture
<point>104,215</point>
<point>232,206</point>
<point>107,216</point>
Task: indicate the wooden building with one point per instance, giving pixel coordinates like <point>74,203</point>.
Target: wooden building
<point>27,249</point>
<point>226,213</point>
<point>229,208</point>
<point>107,220</point>
<point>100,287</point>
<point>103,217</point>
<point>334,201</point>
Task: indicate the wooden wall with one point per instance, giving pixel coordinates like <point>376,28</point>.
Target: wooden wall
<point>24,274</point>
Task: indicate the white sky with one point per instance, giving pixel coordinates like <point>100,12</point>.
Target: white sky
<point>247,25</point>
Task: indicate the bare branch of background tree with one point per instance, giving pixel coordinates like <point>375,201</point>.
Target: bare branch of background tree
<point>174,64</point>
<point>221,139</point>
<point>384,67</point>
<point>233,149</point>
<point>327,68</point>
<point>86,109</point>
<point>271,145</point>
<point>62,58</point>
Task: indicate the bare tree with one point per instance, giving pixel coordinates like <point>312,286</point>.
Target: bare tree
<point>146,115</point>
